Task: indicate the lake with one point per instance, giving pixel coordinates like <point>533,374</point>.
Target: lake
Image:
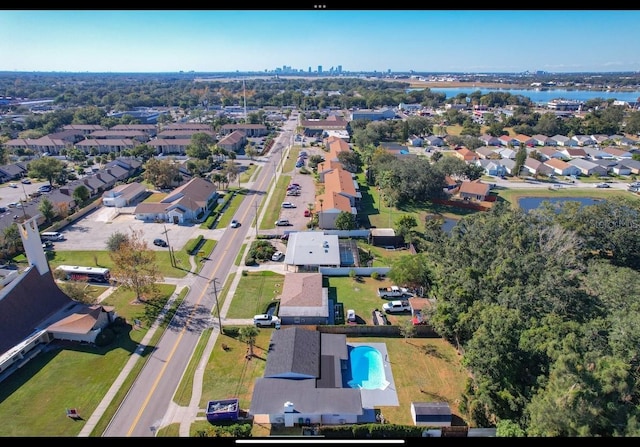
<point>544,96</point>
<point>529,203</point>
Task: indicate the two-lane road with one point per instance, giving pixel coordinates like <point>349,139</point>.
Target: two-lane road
<point>150,396</point>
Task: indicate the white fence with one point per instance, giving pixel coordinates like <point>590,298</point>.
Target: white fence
<point>360,271</point>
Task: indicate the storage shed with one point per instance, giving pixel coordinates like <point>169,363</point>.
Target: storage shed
<point>432,414</point>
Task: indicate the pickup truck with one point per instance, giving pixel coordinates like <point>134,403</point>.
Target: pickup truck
<point>393,292</point>
<point>395,307</point>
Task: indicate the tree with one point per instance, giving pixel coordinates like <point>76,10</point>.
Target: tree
<point>11,240</point>
<point>116,240</point>
<point>49,168</point>
<point>232,171</point>
<point>81,194</point>
<point>345,221</point>
<point>404,225</point>
<point>77,291</point>
<point>135,266</point>
<point>407,329</point>
<point>521,157</point>
<point>251,152</point>
<point>200,146</point>
<point>46,209</point>
<point>161,173</point>
<point>248,334</point>
<point>411,271</point>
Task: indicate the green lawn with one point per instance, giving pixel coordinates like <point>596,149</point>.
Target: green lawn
<point>71,378</point>
<point>272,213</point>
<point>254,293</point>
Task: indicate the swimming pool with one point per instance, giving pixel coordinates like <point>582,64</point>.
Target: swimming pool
<point>366,368</point>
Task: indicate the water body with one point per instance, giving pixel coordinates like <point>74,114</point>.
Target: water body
<point>544,96</point>
<point>529,203</point>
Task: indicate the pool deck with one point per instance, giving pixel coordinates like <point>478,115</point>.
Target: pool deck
<point>380,398</point>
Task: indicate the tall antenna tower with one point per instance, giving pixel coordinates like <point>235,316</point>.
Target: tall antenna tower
<point>244,95</point>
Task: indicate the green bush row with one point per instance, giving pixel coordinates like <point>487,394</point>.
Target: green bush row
<point>192,246</point>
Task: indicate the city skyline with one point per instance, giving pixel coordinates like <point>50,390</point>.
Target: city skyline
<point>472,41</point>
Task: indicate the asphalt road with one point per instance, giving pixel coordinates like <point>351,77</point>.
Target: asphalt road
<point>149,398</point>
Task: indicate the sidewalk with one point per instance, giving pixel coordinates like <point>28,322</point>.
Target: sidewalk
<point>182,415</point>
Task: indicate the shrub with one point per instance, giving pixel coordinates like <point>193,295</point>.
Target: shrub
<point>250,261</point>
<point>375,275</point>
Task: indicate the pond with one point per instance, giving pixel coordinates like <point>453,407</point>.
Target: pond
<point>529,203</point>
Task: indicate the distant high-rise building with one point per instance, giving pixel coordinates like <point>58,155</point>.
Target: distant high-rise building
<point>339,69</point>
<point>309,69</point>
<point>319,68</point>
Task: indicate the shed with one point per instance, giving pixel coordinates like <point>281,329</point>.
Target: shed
<point>432,414</point>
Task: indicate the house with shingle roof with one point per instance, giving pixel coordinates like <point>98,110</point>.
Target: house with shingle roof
<point>550,152</point>
<point>123,195</point>
<point>489,140</point>
<point>186,204</point>
<point>588,167</point>
<point>561,167</point>
<point>233,141</point>
<point>543,140</point>
<point>328,207</point>
<point>303,300</point>
<point>536,167</point>
<point>302,381</point>
<point>344,183</point>
<point>576,152</point>
<point>487,153</point>
<point>617,152</point>
<point>474,190</point>
<point>564,141</point>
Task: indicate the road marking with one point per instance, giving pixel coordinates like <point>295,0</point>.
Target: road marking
<point>184,329</point>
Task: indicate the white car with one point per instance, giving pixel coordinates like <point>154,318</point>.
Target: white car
<point>277,256</point>
<point>234,224</point>
<point>266,320</point>
<point>288,205</point>
<point>351,316</point>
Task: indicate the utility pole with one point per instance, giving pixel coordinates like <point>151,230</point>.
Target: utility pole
<point>256,203</point>
<point>215,294</point>
<point>171,258</point>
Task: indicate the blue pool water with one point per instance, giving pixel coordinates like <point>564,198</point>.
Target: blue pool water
<point>366,368</point>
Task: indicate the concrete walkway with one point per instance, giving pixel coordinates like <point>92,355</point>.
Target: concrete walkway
<point>182,415</point>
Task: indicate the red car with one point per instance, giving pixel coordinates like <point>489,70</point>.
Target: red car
<point>307,213</point>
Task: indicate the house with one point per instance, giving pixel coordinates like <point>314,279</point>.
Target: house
<point>490,140</point>
<point>343,182</point>
<point>487,153</point>
<point>123,195</point>
<point>433,414</point>
<point>543,140</point>
<point>550,152</point>
<point>475,190</point>
<point>303,300</point>
<point>535,167</point>
<point>465,154</point>
<point>303,382</point>
<point>249,130</point>
<point>190,202</point>
<point>507,153</point>
<point>617,153</point>
<point>561,167</point>
<point>584,140</point>
<point>328,207</point>
<point>574,152</point>
<point>309,250</point>
<point>492,167</point>
<point>434,140</point>
<point>170,146</point>
<point>564,141</point>
<point>235,141</point>
<point>508,141</point>
<point>415,141</point>
<point>594,153</point>
<point>588,167</point>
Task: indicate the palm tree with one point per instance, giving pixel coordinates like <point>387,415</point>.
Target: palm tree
<point>248,335</point>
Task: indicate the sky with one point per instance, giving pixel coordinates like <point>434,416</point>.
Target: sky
<point>443,41</point>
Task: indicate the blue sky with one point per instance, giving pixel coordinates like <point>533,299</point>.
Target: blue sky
<point>362,40</point>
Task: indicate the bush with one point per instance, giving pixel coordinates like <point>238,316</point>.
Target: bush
<point>231,331</point>
<point>105,337</point>
<point>375,275</point>
<point>250,261</point>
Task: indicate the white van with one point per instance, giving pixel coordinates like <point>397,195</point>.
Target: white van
<point>51,236</point>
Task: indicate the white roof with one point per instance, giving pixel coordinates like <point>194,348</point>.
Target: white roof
<point>312,248</point>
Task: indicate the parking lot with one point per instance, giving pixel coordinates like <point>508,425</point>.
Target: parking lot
<point>93,231</point>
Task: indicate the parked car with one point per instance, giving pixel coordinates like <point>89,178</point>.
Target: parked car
<point>234,224</point>
<point>160,242</point>
<point>12,185</point>
<point>293,192</point>
<point>282,223</point>
<point>26,181</point>
<point>266,320</point>
<point>394,307</point>
<point>307,213</point>
<point>288,205</point>
<point>602,185</point>
<point>351,316</point>
<point>277,256</point>
<point>44,188</point>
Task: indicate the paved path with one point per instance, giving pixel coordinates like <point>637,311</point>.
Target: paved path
<point>182,415</point>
